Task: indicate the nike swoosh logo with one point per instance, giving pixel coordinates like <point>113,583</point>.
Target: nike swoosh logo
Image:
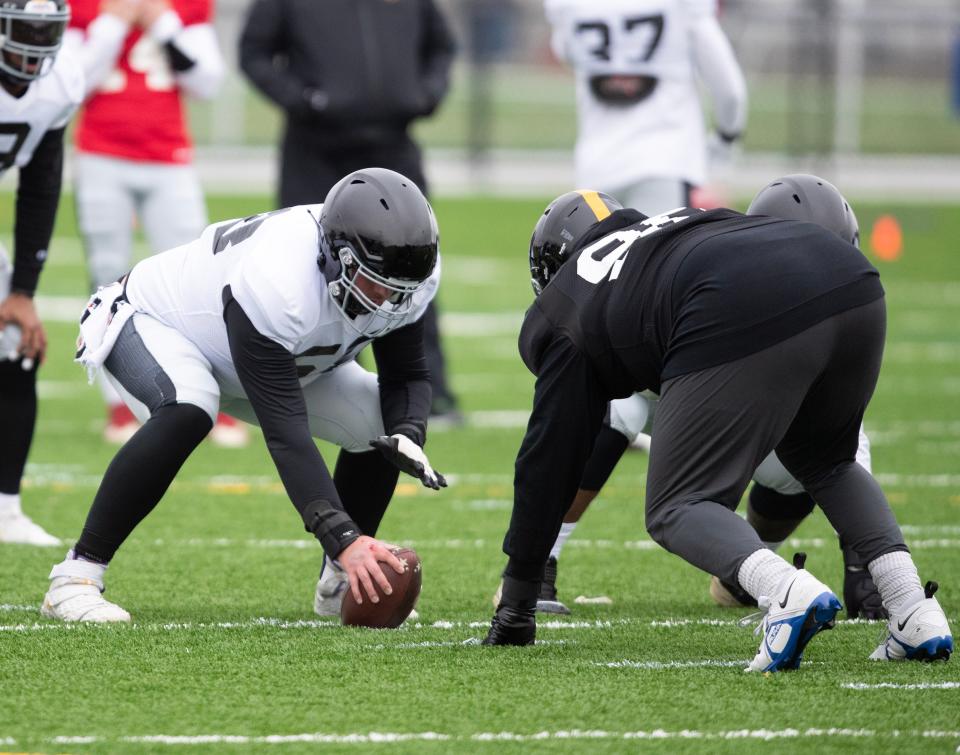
<point>902,624</point>
<point>783,603</point>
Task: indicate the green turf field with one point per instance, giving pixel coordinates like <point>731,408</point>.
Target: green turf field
<point>225,654</point>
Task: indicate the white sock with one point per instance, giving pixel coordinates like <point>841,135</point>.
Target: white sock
<point>763,572</point>
<point>897,581</point>
<point>566,529</point>
<point>10,505</point>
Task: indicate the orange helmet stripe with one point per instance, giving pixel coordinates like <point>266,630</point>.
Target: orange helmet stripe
<point>592,198</point>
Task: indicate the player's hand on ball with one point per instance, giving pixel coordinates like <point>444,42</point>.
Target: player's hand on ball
<point>360,561</point>
<point>408,457</point>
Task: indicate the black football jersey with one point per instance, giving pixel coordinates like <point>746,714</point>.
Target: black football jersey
<point>647,299</point>
<point>643,300</point>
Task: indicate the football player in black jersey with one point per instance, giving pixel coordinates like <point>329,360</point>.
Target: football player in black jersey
<point>759,334</point>
<point>777,503</point>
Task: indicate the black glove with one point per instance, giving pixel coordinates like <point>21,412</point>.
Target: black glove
<point>408,457</point>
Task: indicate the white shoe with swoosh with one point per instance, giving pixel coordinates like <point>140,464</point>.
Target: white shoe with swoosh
<point>803,607</point>
<point>918,633</point>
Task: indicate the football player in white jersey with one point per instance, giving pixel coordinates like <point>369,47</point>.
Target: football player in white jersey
<point>39,91</point>
<point>263,317</point>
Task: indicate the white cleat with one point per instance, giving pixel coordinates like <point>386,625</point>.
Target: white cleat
<point>19,528</point>
<point>331,587</point>
<point>228,432</point>
<point>918,633</point>
<point>802,607</point>
<point>76,594</point>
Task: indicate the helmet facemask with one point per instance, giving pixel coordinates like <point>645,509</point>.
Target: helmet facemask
<point>30,38</point>
<point>355,294</point>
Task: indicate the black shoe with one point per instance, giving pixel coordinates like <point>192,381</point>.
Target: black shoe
<point>512,626</point>
<point>547,599</point>
<point>859,591</point>
<point>445,414</point>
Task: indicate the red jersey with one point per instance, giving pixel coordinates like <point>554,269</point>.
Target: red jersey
<point>138,112</point>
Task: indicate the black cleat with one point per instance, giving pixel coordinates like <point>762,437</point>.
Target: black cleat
<point>512,626</point>
<point>547,599</point>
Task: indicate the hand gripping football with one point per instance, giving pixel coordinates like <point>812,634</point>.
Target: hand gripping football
<point>393,609</point>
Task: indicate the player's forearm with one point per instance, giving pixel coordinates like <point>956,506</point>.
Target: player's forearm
<point>192,52</point>
<point>38,194</point>
<point>404,378</point>
<point>717,66</point>
<point>99,49</point>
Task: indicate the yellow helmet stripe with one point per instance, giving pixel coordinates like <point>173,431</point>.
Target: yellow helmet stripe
<point>592,198</point>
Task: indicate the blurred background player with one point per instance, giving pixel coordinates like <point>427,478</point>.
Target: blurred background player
<point>351,77</point>
<point>642,138</point>
<point>134,151</point>
<point>39,91</point>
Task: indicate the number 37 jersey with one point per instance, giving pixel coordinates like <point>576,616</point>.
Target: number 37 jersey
<point>270,264</point>
<point>648,299</point>
<point>660,134</point>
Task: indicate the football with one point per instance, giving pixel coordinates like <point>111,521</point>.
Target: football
<point>393,609</point>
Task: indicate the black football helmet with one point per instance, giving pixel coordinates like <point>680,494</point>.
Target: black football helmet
<point>31,32</point>
<point>565,220</point>
<point>378,225</point>
<point>802,196</point>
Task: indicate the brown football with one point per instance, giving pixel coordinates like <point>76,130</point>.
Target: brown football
<point>393,609</point>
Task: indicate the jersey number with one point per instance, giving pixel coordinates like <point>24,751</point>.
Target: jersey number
<point>604,258</point>
<point>641,36</point>
<point>231,234</point>
<point>14,135</point>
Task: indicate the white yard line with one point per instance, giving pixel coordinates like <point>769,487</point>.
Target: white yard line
<point>661,665</point>
<point>893,685</point>
<point>369,738</point>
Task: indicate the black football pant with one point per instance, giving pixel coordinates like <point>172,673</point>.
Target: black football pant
<point>18,413</point>
<point>804,397</point>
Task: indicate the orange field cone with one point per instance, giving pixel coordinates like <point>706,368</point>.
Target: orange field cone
<point>886,238</point>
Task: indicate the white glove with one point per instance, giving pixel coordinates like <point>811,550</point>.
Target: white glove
<point>408,457</point>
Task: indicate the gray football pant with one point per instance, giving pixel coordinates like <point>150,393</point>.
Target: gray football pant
<point>804,397</point>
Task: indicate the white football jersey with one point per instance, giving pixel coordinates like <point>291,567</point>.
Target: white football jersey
<point>270,263</point>
<point>662,135</point>
<point>47,104</point>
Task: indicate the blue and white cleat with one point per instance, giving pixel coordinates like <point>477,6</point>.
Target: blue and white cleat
<point>919,633</point>
<point>804,607</point>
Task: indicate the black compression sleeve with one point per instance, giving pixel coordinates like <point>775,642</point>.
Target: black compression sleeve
<point>404,378</point>
<point>568,409</point>
<point>38,193</point>
<point>268,374</point>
